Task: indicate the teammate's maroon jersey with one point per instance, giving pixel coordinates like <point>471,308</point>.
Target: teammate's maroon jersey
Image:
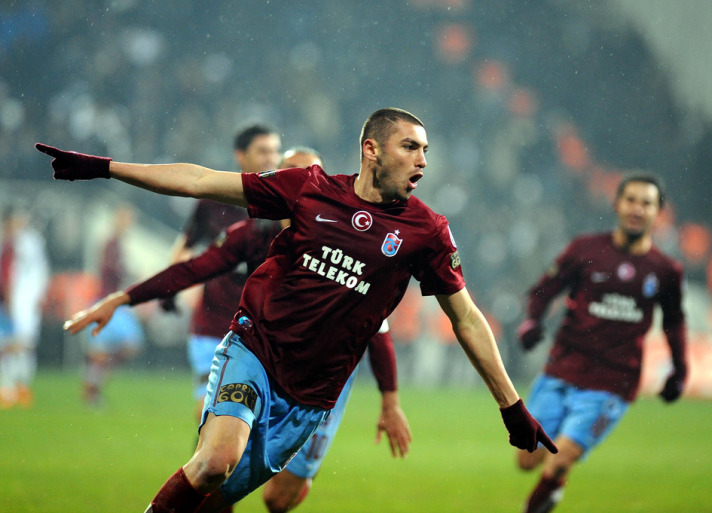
<point>208,220</point>
<point>334,275</point>
<point>113,270</point>
<point>609,310</point>
<point>240,250</point>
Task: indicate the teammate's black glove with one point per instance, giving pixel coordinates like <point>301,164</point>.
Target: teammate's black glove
<point>530,334</point>
<point>169,305</point>
<point>674,384</point>
<point>70,165</point>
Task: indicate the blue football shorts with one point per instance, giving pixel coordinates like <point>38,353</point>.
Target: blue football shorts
<point>123,331</point>
<point>585,416</point>
<point>201,351</point>
<point>240,387</point>
<point>308,460</point>
<point>6,330</point>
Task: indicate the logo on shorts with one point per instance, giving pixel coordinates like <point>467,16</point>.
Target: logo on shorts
<point>362,220</point>
<point>391,244</point>
<point>238,393</point>
<point>267,174</point>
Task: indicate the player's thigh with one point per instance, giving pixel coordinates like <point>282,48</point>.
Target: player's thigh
<point>284,488</point>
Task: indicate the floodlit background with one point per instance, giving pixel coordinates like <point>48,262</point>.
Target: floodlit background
<point>533,109</point>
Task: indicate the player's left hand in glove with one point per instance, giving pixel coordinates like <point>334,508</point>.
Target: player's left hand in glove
<point>70,165</point>
<point>524,430</point>
<point>673,386</point>
<point>169,305</point>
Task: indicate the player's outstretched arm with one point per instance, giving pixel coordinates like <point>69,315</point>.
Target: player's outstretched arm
<point>100,313</point>
<point>476,338</point>
<point>179,179</point>
<point>394,424</point>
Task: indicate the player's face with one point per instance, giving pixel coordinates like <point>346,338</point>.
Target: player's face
<point>401,161</point>
<point>299,160</point>
<point>262,154</point>
<point>637,207</point>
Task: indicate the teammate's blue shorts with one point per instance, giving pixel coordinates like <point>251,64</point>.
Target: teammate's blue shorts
<point>308,460</point>
<point>6,330</point>
<point>583,415</point>
<point>123,331</point>
<point>201,350</point>
<point>240,387</point>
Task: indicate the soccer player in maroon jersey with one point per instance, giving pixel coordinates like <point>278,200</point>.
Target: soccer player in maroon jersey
<point>256,148</point>
<point>245,244</point>
<point>614,281</point>
<point>308,312</point>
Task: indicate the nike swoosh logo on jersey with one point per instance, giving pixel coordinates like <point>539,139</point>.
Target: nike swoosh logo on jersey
<point>325,220</point>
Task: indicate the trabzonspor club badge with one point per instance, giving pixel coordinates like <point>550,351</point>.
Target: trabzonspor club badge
<point>391,244</point>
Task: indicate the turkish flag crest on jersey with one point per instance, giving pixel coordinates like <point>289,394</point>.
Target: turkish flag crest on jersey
<point>391,244</point>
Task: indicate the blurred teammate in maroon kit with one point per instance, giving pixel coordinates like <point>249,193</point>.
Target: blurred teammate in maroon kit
<point>225,266</point>
<point>123,337</point>
<point>308,313</point>
<point>591,376</point>
<point>256,149</point>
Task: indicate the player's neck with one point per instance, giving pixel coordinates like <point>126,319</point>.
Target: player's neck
<point>633,245</point>
<point>365,188</point>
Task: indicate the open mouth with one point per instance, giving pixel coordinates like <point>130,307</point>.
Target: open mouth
<point>413,180</point>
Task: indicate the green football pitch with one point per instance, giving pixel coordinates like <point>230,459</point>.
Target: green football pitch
<point>60,456</point>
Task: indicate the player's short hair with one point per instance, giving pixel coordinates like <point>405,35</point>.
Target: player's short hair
<point>645,177</point>
<point>246,135</point>
<point>293,150</point>
<point>380,125</point>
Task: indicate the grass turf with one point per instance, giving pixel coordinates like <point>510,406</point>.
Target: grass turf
<point>61,456</point>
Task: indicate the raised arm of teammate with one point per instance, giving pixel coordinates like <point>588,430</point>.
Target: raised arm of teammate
<point>476,338</point>
<point>216,260</point>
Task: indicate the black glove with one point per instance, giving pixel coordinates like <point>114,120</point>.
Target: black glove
<point>70,165</point>
<point>530,334</point>
<point>168,305</point>
<point>524,430</point>
<point>675,383</point>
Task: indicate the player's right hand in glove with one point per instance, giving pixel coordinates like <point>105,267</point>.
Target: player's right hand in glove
<point>169,305</point>
<point>530,333</point>
<point>672,390</point>
<point>70,165</point>
<point>524,430</point>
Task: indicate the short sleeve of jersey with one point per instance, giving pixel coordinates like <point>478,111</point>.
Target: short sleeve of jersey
<point>442,272</point>
<point>272,194</point>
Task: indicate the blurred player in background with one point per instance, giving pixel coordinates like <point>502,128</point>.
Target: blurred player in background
<point>225,265</point>
<point>591,376</point>
<point>24,276</point>
<point>256,149</point>
<point>123,337</point>
<point>308,313</point>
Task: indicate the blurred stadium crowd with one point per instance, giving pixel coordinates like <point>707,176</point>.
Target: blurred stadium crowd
<point>533,109</point>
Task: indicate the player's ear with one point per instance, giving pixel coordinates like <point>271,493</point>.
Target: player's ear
<point>371,150</point>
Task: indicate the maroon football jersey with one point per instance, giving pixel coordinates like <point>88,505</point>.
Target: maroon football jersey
<point>229,260</point>
<point>208,220</point>
<point>609,310</point>
<point>334,275</point>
